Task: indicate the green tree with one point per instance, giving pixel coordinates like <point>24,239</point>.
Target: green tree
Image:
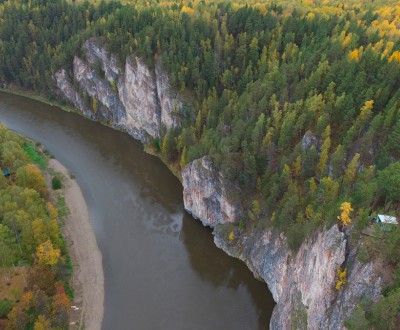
<point>389,182</point>
<point>357,321</point>
<point>351,170</point>
<point>384,313</point>
<point>8,251</point>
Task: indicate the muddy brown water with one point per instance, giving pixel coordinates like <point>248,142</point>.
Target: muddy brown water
<point>161,267</point>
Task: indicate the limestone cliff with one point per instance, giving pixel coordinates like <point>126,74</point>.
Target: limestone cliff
<point>302,283</point>
<point>132,98</point>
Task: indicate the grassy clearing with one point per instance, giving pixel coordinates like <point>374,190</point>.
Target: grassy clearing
<point>62,207</point>
<point>36,155</point>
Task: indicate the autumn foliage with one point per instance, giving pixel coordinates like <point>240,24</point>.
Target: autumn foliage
<point>341,278</point>
<point>30,235</point>
<point>344,217</point>
<point>47,254</point>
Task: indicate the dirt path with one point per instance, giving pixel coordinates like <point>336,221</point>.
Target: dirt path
<point>88,278</point>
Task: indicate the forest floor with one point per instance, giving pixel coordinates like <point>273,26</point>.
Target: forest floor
<point>88,277</point>
<point>13,290</point>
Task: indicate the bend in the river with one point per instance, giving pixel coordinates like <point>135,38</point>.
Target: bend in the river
<point>162,270</point>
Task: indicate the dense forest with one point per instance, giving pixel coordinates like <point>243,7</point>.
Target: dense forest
<point>34,263</point>
<point>296,102</point>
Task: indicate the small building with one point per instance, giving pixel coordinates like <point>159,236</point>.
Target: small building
<point>387,222</point>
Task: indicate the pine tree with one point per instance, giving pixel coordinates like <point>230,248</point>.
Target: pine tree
<point>351,170</point>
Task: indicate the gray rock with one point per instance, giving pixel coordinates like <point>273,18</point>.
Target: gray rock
<point>70,93</point>
<point>134,98</point>
<point>110,106</point>
<point>308,141</point>
<point>204,194</point>
<point>137,91</point>
<point>169,102</point>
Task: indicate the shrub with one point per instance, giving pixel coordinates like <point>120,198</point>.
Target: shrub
<point>56,183</point>
<point>5,308</point>
<point>341,274</point>
<point>156,145</point>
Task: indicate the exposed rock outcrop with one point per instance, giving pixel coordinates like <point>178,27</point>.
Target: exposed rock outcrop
<point>97,55</point>
<point>204,194</point>
<point>70,93</point>
<point>133,98</point>
<point>169,101</point>
<point>308,141</point>
<point>106,103</point>
<point>302,283</point>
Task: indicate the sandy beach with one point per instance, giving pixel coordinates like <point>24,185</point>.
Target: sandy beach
<point>88,277</point>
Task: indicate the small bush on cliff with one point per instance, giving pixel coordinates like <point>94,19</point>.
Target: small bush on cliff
<point>156,144</point>
<point>341,274</point>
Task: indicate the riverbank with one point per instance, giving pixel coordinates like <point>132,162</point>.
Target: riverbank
<point>88,277</point>
<point>37,97</point>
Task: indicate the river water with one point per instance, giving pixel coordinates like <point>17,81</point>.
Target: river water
<point>161,268</point>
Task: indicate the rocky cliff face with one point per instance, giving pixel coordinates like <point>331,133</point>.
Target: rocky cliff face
<point>133,97</point>
<point>302,283</point>
<point>204,194</point>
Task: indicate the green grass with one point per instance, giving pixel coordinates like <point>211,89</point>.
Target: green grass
<point>62,208</point>
<point>69,290</point>
<point>36,156</point>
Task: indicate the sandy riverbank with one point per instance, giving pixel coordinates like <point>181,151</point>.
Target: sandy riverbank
<point>88,277</point>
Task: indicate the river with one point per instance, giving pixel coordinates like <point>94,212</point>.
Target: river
<point>161,267</point>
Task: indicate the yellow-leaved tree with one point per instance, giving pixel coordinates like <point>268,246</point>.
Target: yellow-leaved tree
<point>29,176</point>
<point>47,254</point>
<point>354,55</point>
<point>395,57</point>
<point>366,109</point>
<point>341,274</point>
<point>344,217</point>
<point>42,323</point>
